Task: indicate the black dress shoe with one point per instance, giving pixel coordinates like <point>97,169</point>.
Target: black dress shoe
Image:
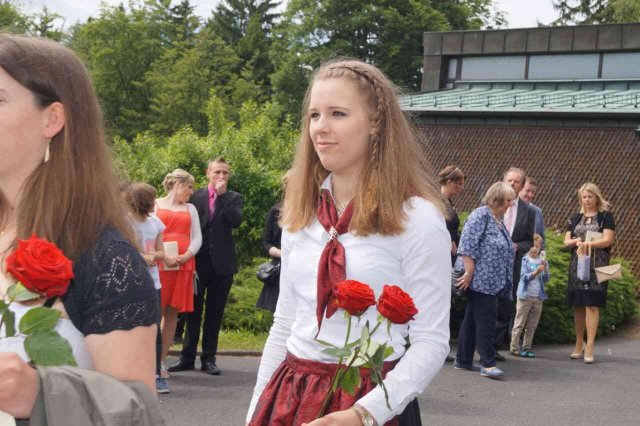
<point>210,367</point>
<point>499,357</point>
<point>181,366</point>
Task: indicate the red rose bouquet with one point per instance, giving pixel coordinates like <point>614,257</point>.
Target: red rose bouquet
<point>42,271</point>
<point>395,307</point>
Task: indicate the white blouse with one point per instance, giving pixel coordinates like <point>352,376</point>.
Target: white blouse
<point>418,261</point>
<point>64,327</point>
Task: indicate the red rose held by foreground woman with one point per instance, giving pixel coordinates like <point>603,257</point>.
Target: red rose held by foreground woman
<point>396,305</point>
<point>354,297</point>
<point>41,267</point>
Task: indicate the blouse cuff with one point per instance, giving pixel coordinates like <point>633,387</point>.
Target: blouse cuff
<point>374,402</point>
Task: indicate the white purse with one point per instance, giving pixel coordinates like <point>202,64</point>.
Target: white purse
<point>609,272</point>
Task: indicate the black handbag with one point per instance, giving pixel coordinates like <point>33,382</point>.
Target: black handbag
<point>268,270</point>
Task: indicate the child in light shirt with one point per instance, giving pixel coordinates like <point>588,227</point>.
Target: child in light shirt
<point>531,295</point>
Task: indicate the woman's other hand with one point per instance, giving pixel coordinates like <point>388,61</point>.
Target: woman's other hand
<point>19,386</point>
<point>339,418</point>
<point>149,258</point>
<point>275,252</point>
<point>171,261</point>
<point>582,248</point>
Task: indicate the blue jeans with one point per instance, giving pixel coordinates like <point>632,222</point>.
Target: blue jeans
<point>478,329</point>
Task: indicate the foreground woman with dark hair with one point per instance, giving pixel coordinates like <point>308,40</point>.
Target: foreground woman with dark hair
<point>57,181</point>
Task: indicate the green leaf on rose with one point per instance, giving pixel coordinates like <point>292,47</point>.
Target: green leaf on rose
<point>3,306</point>
<point>40,318</point>
<point>377,358</point>
<point>351,380</point>
<point>48,348</point>
<point>337,352</point>
<point>19,293</point>
<point>375,376</point>
<point>365,336</point>
<point>323,343</point>
<point>388,352</point>
<point>9,320</point>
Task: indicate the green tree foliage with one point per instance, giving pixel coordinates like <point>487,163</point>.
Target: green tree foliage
<point>383,32</point>
<point>180,81</point>
<point>247,26</point>
<point>259,150</point>
<point>596,11</point>
<point>12,19</point>
<point>47,24</point>
<point>119,47</point>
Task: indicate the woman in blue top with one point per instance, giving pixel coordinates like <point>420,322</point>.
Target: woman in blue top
<point>487,255</point>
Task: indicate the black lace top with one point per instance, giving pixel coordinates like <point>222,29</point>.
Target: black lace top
<point>112,288</point>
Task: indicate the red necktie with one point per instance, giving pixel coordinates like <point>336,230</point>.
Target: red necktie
<point>332,266</point>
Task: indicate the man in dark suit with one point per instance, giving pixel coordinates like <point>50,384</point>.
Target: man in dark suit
<point>219,210</point>
<point>528,193</point>
<point>520,222</point>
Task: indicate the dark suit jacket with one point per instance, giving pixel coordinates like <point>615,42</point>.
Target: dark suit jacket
<point>218,246</point>
<point>522,235</point>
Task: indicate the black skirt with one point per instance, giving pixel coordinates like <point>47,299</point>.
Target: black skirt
<point>269,295</point>
<point>587,293</point>
<point>411,415</point>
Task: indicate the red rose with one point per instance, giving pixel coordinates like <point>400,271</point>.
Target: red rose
<point>354,297</point>
<point>40,266</point>
<point>396,305</point>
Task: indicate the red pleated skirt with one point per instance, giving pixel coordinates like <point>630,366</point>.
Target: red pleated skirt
<point>297,388</point>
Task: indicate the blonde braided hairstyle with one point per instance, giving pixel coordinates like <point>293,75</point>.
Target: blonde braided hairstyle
<point>390,178</point>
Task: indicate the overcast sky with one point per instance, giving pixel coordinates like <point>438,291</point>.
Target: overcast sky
<point>520,13</point>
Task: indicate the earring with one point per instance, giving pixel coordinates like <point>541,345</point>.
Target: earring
<point>47,153</point>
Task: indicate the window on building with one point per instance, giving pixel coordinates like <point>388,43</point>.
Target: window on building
<point>556,67</point>
<point>494,68</point>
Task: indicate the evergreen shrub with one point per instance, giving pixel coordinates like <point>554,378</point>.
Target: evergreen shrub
<point>241,312</point>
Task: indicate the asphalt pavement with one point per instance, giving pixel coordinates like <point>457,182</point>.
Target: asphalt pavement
<point>551,389</point>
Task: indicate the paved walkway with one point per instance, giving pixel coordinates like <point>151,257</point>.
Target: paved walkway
<point>549,390</point>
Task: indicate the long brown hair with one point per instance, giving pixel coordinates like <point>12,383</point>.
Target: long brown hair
<point>392,175</point>
<point>72,197</point>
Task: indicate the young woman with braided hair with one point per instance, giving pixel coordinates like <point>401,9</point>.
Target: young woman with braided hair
<point>357,206</point>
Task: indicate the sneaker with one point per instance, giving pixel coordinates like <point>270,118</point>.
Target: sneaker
<point>515,352</point>
<point>491,372</point>
<point>500,357</point>
<point>472,367</point>
<point>527,354</point>
<point>161,385</point>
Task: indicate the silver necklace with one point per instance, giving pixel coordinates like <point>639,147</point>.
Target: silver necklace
<point>341,207</point>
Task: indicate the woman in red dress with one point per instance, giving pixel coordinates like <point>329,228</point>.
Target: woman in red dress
<point>176,273</point>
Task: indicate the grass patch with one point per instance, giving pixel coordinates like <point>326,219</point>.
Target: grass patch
<point>235,340</point>
<point>241,340</point>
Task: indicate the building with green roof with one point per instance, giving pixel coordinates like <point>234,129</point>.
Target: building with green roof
<point>563,103</point>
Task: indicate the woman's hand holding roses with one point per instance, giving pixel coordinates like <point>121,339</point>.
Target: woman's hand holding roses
<point>339,418</point>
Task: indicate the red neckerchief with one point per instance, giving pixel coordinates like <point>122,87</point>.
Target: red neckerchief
<point>332,265</point>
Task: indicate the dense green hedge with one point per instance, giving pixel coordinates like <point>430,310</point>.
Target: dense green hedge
<point>241,312</point>
<point>556,324</point>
